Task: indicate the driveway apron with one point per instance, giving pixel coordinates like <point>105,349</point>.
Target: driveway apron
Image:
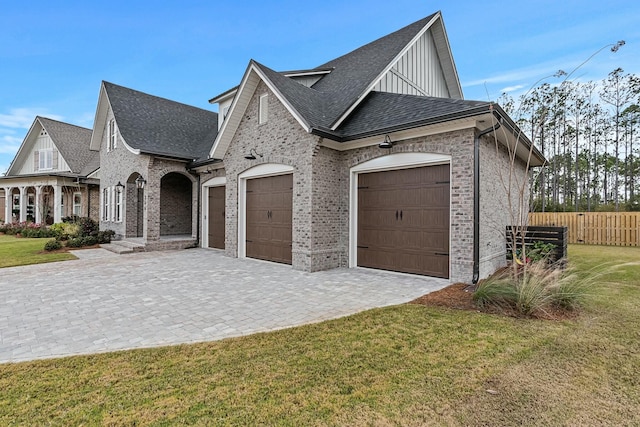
<point>104,302</point>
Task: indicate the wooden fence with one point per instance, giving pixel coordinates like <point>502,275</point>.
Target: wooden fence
<point>594,228</point>
<point>544,234</point>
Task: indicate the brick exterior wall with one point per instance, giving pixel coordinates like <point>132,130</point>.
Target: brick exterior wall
<point>121,165</point>
<point>176,206</point>
<point>321,188</point>
<point>280,140</point>
<point>458,145</point>
<point>500,204</point>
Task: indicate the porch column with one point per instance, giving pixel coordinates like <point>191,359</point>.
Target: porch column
<point>23,204</point>
<point>57,214</point>
<point>38,208</point>
<point>8,204</point>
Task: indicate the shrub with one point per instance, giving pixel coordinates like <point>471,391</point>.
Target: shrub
<point>52,245</point>
<point>533,289</point>
<point>75,242</point>
<point>89,240</point>
<point>105,236</point>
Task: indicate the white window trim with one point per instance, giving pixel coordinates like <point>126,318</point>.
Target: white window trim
<point>118,203</point>
<point>76,205</point>
<point>204,196</point>
<point>263,109</point>
<point>379,164</point>
<point>106,203</point>
<point>112,142</point>
<point>259,171</point>
<point>44,155</point>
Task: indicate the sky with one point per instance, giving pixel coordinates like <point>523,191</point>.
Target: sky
<point>54,54</point>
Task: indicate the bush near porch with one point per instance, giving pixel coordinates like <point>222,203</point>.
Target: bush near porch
<point>73,232</point>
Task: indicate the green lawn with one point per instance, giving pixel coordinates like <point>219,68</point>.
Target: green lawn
<point>402,365</point>
<point>20,251</point>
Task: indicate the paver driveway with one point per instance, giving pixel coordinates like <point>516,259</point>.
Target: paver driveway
<point>106,302</point>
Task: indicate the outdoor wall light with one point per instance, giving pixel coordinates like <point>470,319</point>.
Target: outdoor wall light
<point>252,154</point>
<point>140,182</point>
<point>120,185</point>
<point>386,143</point>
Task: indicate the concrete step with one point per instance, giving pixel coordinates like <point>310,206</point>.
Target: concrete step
<point>123,247</point>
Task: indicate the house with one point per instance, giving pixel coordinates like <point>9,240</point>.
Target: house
<point>146,145</point>
<point>373,159</point>
<point>53,175</point>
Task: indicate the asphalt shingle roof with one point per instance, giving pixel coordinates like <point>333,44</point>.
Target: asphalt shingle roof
<point>354,72</point>
<point>160,126</point>
<point>383,110</point>
<point>73,144</point>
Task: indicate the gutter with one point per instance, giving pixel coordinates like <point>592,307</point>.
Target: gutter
<point>476,200</point>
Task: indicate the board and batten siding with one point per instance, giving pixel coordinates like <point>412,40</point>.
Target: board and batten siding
<point>417,72</point>
<point>43,142</point>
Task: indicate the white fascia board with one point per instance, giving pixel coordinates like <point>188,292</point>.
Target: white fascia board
<point>444,53</point>
<point>385,71</point>
<point>21,150</point>
<point>307,73</point>
<point>239,106</point>
<point>100,119</point>
<point>224,96</point>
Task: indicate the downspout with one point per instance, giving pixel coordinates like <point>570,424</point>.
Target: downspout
<point>476,202</point>
<point>198,214</point>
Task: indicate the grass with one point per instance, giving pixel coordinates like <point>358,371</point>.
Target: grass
<point>21,251</point>
<point>402,365</point>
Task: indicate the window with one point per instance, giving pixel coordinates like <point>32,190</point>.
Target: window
<point>118,204</point>
<point>105,204</point>
<point>45,159</point>
<point>112,135</point>
<point>263,113</point>
<point>77,204</point>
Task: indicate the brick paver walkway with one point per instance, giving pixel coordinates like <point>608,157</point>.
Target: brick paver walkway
<point>105,302</point>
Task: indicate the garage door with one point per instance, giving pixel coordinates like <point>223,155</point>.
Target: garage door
<point>269,202</point>
<point>403,220</point>
<point>216,217</point>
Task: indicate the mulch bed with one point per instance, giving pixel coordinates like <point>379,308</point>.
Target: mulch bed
<point>68,249</point>
<point>459,297</point>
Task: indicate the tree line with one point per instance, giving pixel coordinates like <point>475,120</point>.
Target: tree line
<point>588,132</point>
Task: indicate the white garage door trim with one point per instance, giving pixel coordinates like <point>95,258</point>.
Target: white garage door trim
<point>260,171</point>
<point>204,197</point>
<point>379,164</point>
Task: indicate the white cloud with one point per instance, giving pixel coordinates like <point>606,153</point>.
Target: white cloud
<point>511,88</point>
<point>23,117</point>
<point>9,144</point>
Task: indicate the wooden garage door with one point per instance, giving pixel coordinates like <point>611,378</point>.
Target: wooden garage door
<point>216,217</point>
<point>269,202</point>
<point>403,220</point>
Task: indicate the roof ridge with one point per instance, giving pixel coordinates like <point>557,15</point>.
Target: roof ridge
<point>157,97</point>
<point>64,123</point>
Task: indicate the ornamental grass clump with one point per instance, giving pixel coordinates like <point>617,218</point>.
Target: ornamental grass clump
<point>536,289</point>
